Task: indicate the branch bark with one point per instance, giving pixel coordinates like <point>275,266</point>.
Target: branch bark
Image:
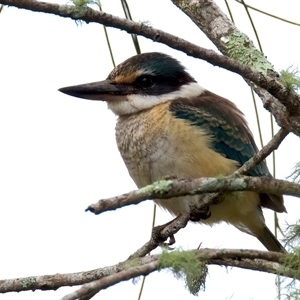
<point>53,282</point>
<point>94,287</point>
<point>166,189</point>
<point>172,188</point>
<point>235,44</point>
<point>247,259</point>
<point>287,117</point>
<point>168,230</point>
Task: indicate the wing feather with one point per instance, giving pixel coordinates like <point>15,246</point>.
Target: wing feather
<point>231,136</point>
<point>225,123</point>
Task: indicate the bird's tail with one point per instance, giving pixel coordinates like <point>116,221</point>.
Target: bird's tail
<point>267,238</point>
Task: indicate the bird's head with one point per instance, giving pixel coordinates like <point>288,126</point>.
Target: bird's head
<point>139,83</point>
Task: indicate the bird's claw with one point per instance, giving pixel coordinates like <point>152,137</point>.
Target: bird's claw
<point>169,177</point>
<point>157,237</point>
<point>196,214</point>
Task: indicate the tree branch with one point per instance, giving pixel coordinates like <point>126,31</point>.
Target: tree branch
<point>166,189</point>
<point>289,99</point>
<point>235,44</point>
<point>248,259</point>
<point>263,153</point>
<point>53,282</point>
<point>169,229</point>
<point>250,164</point>
<point>172,188</point>
<point>96,286</point>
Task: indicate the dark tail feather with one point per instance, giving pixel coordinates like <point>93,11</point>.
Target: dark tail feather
<point>268,239</point>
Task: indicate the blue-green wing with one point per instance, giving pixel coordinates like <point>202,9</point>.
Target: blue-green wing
<point>231,135</point>
<point>225,123</point>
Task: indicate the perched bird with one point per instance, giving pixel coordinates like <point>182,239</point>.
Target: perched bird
<point>169,125</point>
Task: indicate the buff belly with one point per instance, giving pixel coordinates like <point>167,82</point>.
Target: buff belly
<point>154,145</point>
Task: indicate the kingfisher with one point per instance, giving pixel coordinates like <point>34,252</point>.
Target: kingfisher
<point>168,125</point>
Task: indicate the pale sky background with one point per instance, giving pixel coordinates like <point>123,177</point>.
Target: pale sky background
<point>58,153</point>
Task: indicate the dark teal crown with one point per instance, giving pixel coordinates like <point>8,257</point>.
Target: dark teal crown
<point>157,64</point>
<point>160,64</point>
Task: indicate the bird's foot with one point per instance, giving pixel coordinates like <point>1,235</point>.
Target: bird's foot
<point>162,233</point>
<point>169,177</point>
<point>199,214</point>
<point>159,238</point>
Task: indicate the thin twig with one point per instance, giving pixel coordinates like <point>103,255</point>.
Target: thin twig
<point>172,228</point>
<point>263,153</point>
<point>270,15</point>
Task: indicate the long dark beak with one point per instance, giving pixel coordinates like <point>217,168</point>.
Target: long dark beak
<point>101,90</point>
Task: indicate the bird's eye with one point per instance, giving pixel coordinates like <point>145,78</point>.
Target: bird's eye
<point>145,81</point>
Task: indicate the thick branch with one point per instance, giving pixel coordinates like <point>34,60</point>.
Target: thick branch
<point>101,284</point>
<point>247,259</point>
<point>233,43</point>
<point>174,188</point>
<point>53,282</point>
<point>286,97</point>
<point>253,260</point>
<point>166,189</point>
